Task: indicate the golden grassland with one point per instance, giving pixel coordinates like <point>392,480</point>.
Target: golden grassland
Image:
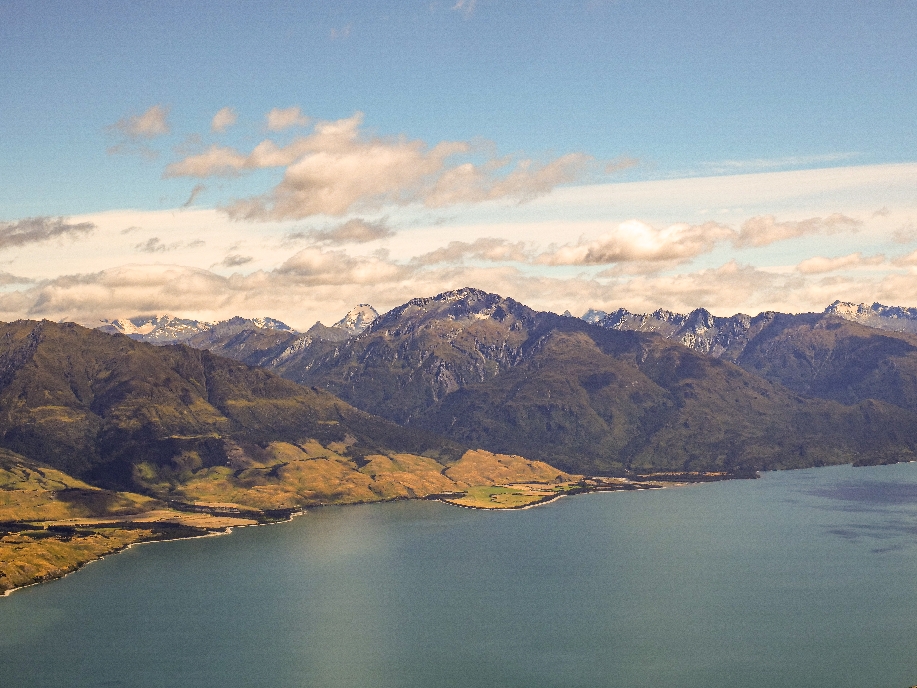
<point>52,523</point>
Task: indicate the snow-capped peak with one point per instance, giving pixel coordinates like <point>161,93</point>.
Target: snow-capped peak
<point>358,319</point>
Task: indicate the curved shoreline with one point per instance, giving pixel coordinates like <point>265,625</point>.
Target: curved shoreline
<point>150,541</point>
<point>603,486</point>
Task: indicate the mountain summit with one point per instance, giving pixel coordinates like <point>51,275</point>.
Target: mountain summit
<point>487,371</point>
<point>358,319</point>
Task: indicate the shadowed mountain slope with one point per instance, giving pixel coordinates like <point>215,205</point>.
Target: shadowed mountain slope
<point>488,371</point>
<point>833,358</point>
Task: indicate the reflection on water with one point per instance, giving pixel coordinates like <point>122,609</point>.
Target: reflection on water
<point>891,503</point>
<point>801,578</point>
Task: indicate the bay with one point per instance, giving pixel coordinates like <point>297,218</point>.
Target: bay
<point>801,578</point>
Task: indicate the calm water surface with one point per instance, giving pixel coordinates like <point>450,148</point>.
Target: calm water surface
<point>801,579</point>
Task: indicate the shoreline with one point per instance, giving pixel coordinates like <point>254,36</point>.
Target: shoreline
<point>228,530</point>
<point>598,484</point>
<point>692,478</point>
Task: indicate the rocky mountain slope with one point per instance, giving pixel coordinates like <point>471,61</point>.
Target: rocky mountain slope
<point>486,370</point>
<point>894,318</point>
<point>838,355</point>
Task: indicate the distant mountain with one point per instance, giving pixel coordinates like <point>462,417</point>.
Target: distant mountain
<point>271,344</point>
<point>155,328</point>
<point>894,318</point>
<point>839,355</point>
<point>358,319</point>
<point>610,393</point>
<point>165,329</point>
<point>727,336</point>
<point>698,330</point>
<point>488,371</point>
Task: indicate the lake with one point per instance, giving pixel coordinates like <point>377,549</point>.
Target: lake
<point>799,579</point>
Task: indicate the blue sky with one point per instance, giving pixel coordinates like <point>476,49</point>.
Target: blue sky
<point>622,106</point>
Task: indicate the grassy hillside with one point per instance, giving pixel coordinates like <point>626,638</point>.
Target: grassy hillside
<point>98,406</point>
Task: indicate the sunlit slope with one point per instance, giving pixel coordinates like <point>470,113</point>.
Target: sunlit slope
<point>120,413</point>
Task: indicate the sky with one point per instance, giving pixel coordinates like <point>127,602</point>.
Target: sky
<point>291,159</point>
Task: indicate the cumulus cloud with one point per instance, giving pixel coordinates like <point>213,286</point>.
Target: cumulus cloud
<point>486,248</point>
<point>135,130</point>
<point>279,119</point>
<point>354,231</point>
<point>730,287</point>
<point>314,265</point>
<point>124,289</point>
<point>149,125</point>
<point>223,119</point>
<point>819,264</point>
<point>37,229</point>
<point>338,168</point>
<point>634,241</point>
<point>765,229</point>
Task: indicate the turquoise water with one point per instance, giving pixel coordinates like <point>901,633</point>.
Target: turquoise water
<point>800,579</point>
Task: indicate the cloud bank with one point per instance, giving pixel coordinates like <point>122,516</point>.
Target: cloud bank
<point>338,168</point>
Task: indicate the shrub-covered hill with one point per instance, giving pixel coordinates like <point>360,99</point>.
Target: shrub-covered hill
<point>101,407</point>
<point>488,371</point>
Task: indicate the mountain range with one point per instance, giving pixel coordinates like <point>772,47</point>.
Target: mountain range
<point>623,393</point>
<point>112,437</point>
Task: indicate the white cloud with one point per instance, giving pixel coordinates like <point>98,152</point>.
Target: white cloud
<point>279,119</point>
<point>354,231</point>
<point>149,125</point>
<point>248,268</point>
<point>223,119</point>
<point>485,248</point>
<point>637,241</point>
<point>337,168</point>
<point>317,266</point>
<point>819,264</point>
<point>764,230</point>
